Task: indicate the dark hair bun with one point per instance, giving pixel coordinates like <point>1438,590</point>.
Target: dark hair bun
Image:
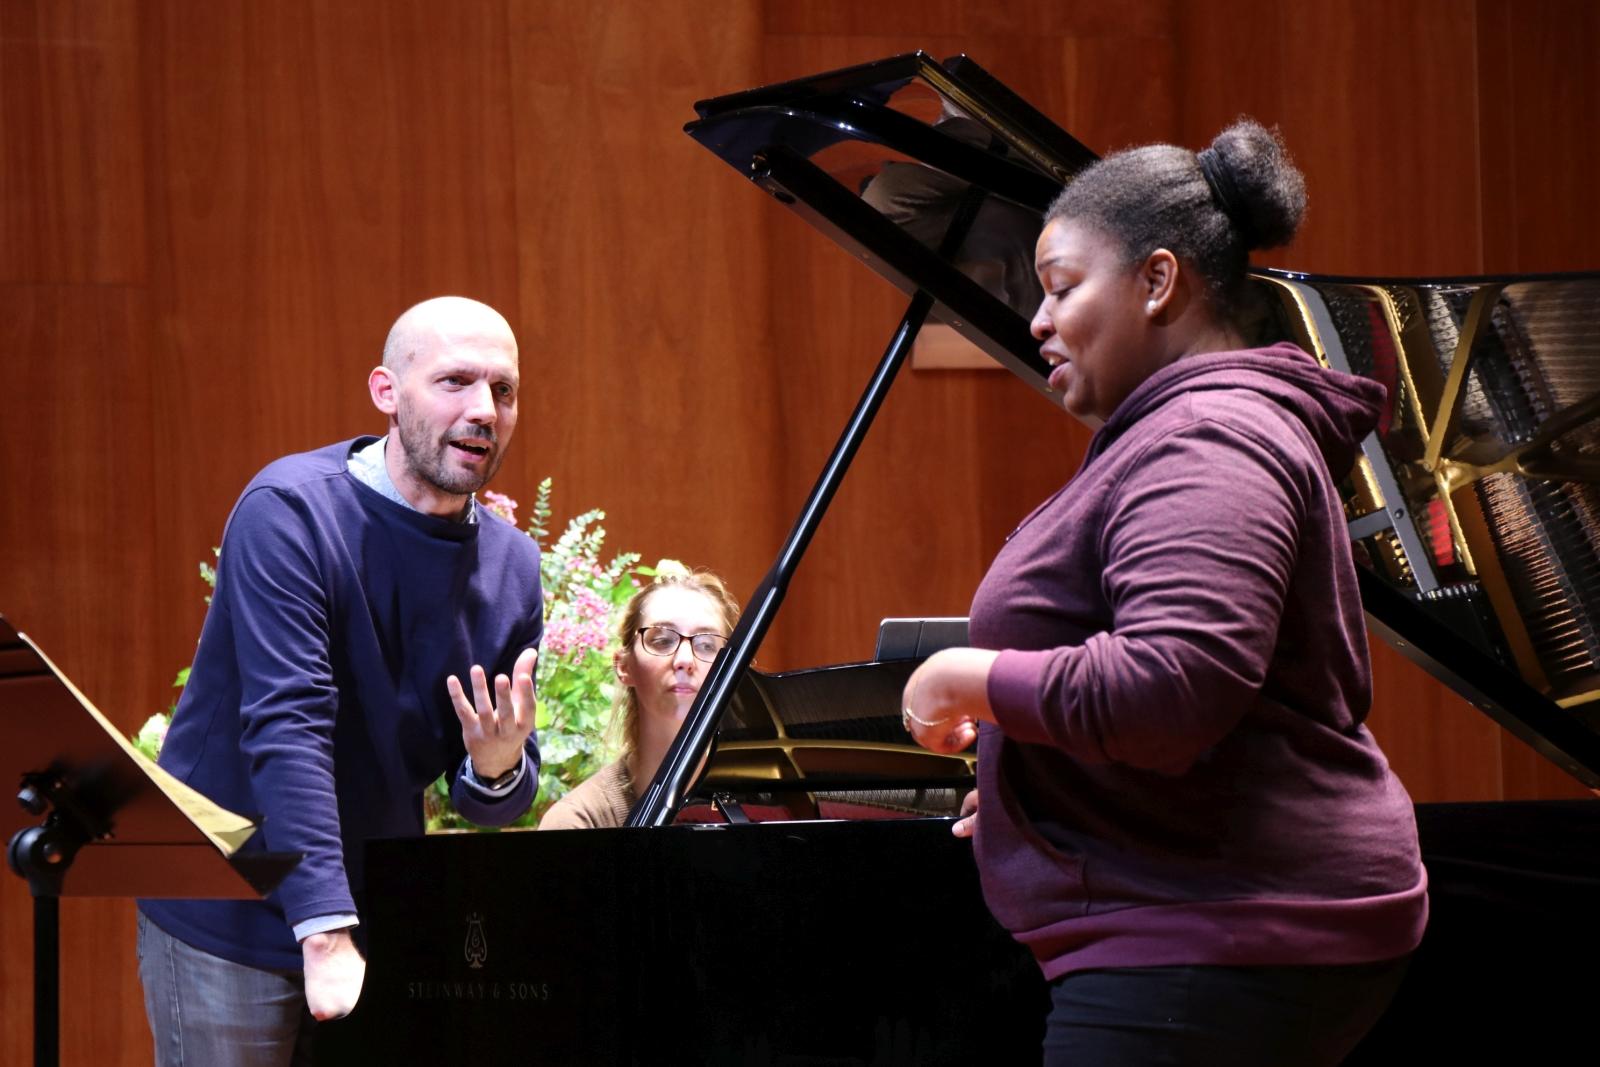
<point>1271,191</point>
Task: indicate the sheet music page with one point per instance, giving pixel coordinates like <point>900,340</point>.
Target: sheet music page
<point>222,827</point>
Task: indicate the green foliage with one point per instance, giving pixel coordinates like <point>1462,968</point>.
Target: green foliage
<point>208,574</point>
<point>539,525</point>
<point>152,733</point>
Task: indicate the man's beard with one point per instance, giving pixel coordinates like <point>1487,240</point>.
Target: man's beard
<point>429,460</point>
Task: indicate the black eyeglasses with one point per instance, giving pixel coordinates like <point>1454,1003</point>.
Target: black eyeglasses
<point>664,641</point>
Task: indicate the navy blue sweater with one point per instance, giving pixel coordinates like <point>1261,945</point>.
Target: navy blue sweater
<point>317,698</point>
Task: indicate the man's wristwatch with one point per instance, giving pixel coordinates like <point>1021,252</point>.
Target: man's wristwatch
<point>501,781</point>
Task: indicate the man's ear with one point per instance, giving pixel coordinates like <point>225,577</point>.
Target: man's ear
<point>1158,276</point>
<point>383,384</point>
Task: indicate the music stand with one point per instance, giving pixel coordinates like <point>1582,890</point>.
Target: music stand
<point>94,807</point>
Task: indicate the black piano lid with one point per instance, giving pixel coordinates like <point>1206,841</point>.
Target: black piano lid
<point>1474,508</point>
<point>852,90</point>
<point>830,147</point>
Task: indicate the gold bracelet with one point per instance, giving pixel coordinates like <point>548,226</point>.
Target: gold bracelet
<point>924,722</point>
<point>907,717</point>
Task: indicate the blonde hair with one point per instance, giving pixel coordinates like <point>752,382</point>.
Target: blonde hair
<point>624,728</point>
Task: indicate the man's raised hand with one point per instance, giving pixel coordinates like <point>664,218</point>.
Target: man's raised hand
<point>495,726</point>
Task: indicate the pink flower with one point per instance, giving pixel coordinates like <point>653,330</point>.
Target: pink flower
<point>590,606</point>
<point>501,505</point>
<point>558,638</point>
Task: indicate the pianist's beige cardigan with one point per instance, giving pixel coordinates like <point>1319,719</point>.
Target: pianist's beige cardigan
<point>603,800</point>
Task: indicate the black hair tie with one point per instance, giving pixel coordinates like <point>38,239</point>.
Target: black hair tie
<point>1225,193</point>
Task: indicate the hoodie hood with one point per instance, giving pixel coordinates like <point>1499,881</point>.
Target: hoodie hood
<point>1337,409</point>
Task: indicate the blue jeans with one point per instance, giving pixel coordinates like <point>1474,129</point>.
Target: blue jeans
<point>208,1012</point>
<point>1216,1016</point>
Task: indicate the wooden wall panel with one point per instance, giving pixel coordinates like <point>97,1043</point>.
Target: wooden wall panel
<point>71,166</point>
<point>642,283</point>
<point>75,430</point>
<point>16,971</point>
<point>209,213</point>
<point>1441,746</point>
<point>74,535</point>
<point>1376,104</point>
<point>1538,94</point>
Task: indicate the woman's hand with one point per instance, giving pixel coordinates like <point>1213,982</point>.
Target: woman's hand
<point>967,824</point>
<point>947,697</point>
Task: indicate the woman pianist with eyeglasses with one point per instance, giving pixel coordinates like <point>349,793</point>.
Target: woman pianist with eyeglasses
<point>671,631</point>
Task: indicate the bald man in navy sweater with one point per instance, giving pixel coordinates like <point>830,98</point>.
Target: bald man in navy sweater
<point>372,628</point>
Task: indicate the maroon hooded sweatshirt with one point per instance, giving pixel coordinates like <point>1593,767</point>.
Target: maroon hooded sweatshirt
<point>1180,774</point>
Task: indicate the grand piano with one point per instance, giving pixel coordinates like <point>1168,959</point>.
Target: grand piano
<point>803,902</point>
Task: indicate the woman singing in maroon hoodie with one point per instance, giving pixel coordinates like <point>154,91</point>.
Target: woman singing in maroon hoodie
<point>1182,814</point>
